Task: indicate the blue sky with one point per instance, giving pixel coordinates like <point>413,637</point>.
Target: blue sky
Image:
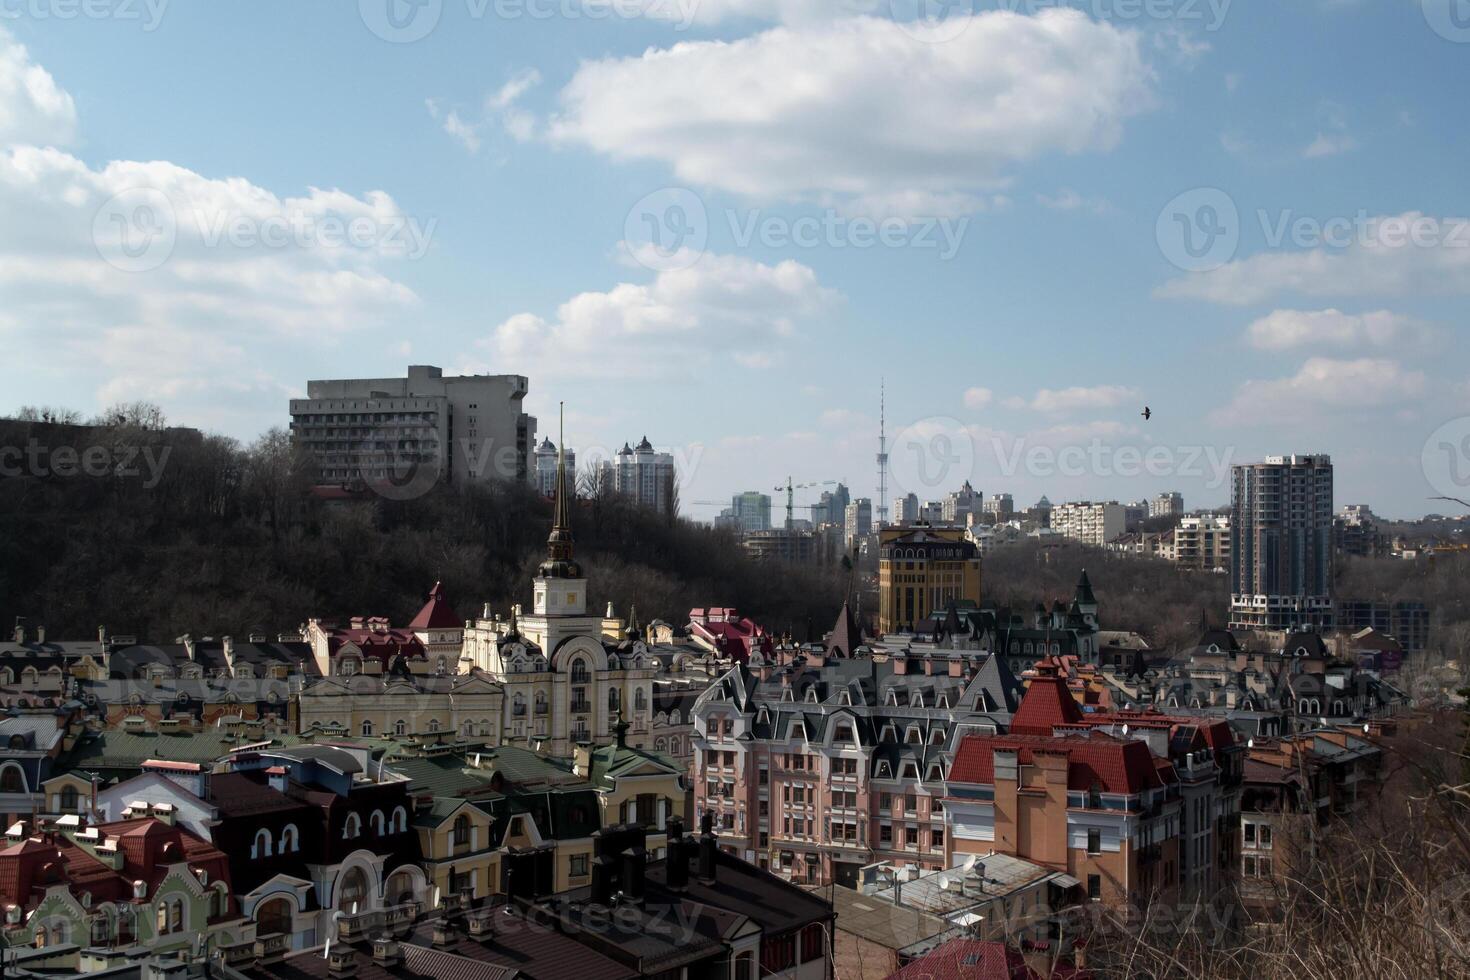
<point>987,209</point>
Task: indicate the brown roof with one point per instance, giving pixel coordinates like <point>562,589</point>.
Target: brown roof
<point>418,962</point>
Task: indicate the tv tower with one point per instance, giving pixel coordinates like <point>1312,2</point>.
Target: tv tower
<point>882,453</point>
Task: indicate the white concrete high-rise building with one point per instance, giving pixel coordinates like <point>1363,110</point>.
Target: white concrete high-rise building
<point>1090,523</point>
<point>545,472</point>
<point>420,428</point>
<point>642,476</point>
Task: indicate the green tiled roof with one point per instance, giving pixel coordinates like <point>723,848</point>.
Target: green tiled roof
<point>611,761</point>
<point>112,750</point>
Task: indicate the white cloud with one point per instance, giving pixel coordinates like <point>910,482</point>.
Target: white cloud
<point>1323,386</point>
<point>1075,399</point>
<point>978,398</point>
<point>1285,329</point>
<point>225,266</point>
<point>1402,255</point>
<point>829,111</point>
<point>1329,145</point>
<point>500,109</point>
<point>720,309</point>
<point>33,108</point>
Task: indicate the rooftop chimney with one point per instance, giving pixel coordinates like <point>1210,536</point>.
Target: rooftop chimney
<point>40,634</point>
<point>602,881</point>
<point>633,868</point>
<point>386,952</point>
<point>707,849</point>
<point>678,857</point>
<point>442,935</point>
<point>342,961</point>
<point>19,636</point>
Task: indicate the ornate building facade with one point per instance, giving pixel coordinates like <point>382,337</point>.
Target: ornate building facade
<point>563,678</point>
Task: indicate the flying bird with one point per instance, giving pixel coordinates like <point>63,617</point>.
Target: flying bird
<point>1147,413</point>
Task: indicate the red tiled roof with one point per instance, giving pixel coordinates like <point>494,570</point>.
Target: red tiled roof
<point>437,614</point>
<point>1046,704</point>
<point>1117,765</point>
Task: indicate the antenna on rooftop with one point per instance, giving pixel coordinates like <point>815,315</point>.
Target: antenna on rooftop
<point>882,453</point>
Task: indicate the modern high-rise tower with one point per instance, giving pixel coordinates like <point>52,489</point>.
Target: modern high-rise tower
<point>1281,551</point>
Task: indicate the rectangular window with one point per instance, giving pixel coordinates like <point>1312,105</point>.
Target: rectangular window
<point>1250,833</point>
<point>577,865</point>
<point>1094,887</point>
<point>1094,842</point>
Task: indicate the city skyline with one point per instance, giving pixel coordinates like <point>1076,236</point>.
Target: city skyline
<point>515,215</point>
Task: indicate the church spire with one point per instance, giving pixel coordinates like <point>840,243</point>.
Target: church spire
<point>559,563</point>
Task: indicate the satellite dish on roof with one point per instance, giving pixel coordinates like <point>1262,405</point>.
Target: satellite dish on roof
<point>1250,743</point>
<point>1125,730</point>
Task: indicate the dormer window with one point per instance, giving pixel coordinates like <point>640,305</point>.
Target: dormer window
<point>883,771</point>
<point>786,695</point>
<point>936,773</point>
<point>811,695</point>
<point>914,736</point>
<point>918,701</point>
<point>910,771</point>
<point>892,699</point>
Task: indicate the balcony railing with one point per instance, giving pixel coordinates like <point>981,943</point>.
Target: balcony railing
<point>272,947</point>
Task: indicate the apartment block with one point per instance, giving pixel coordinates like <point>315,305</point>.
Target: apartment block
<point>421,427</point>
<point>1090,523</point>
<point>1281,548</point>
<point>922,570</point>
<point>1203,542</point>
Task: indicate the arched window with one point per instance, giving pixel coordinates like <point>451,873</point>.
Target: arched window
<point>400,727</point>
<point>640,699</point>
<point>433,724</point>
<point>367,729</point>
<point>352,826</point>
<point>612,699</point>
<point>176,922</point>
<point>161,919</point>
<point>378,822</point>
<point>290,839</point>
<point>580,673</point>
<point>399,822</point>
<point>468,728</point>
<point>41,937</point>
<point>274,919</point>
<point>261,847</point>
<point>12,779</point>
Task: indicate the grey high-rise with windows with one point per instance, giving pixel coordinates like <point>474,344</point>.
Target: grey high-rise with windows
<point>467,428</point>
<point>1281,549</point>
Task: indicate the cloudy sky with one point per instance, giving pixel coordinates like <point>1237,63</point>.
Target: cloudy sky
<point>720,222</point>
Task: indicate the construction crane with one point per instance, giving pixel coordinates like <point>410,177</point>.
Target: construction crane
<point>791,489</point>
